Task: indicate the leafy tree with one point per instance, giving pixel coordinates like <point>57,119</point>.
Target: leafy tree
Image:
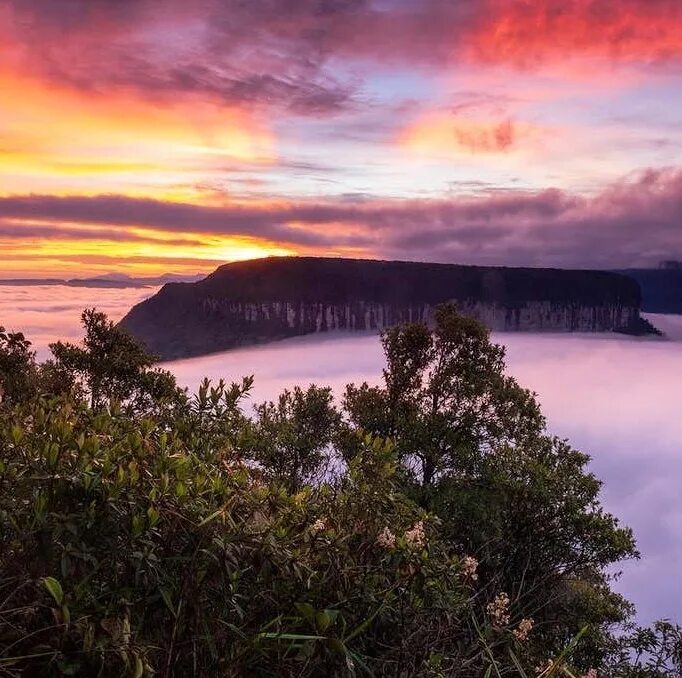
<point>446,398</point>
<point>504,490</point>
<point>111,365</point>
<point>151,532</point>
<point>291,438</point>
<point>18,370</point>
<point>126,550</point>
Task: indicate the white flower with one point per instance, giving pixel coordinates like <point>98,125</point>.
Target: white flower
<point>469,567</point>
<point>416,536</point>
<point>498,610</point>
<point>524,628</point>
<point>386,539</point>
<point>318,526</point>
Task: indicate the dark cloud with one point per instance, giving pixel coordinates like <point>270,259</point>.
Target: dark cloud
<point>22,231</point>
<point>633,222</point>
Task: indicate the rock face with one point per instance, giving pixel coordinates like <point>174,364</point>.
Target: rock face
<point>266,299</point>
<point>661,288</point>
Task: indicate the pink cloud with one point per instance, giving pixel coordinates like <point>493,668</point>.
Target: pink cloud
<point>635,221</point>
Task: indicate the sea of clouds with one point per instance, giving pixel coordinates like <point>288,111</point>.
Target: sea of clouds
<point>615,397</point>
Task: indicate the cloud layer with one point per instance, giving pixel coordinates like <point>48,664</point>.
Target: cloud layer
<point>633,222</point>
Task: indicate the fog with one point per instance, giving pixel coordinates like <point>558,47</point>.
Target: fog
<point>616,398</point>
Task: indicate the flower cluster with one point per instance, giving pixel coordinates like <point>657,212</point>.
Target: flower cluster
<point>469,567</point>
<point>416,536</point>
<point>498,610</point>
<point>592,673</point>
<point>318,526</point>
<point>545,668</point>
<point>386,539</point>
<point>523,629</point>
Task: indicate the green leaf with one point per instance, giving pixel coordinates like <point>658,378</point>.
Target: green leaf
<point>17,434</point>
<point>165,594</point>
<point>290,636</point>
<point>323,620</point>
<point>54,588</point>
<point>306,610</point>
<point>138,669</point>
<point>213,516</point>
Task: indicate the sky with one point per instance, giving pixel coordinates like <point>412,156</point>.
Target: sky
<point>154,136</point>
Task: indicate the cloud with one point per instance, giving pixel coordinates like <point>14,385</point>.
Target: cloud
<point>20,231</point>
<point>634,221</point>
<point>446,134</point>
<point>299,55</point>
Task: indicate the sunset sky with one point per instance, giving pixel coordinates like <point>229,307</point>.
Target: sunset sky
<point>153,136</point>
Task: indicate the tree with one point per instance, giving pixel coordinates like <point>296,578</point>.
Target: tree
<point>446,398</point>
<point>291,436</point>
<point>18,369</point>
<point>112,365</point>
<point>505,490</point>
<point>460,538</point>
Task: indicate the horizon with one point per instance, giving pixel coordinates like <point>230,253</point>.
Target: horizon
<point>483,132</point>
<point>121,276</point>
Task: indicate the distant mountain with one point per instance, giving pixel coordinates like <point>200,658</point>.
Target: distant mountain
<point>116,280</point>
<point>661,287</point>
<point>266,299</point>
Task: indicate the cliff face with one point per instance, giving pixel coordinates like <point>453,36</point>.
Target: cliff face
<point>266,299</point>
<point>661,288</point>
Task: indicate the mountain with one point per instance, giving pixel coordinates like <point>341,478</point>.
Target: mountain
<point>661,287</point>
<point>262,300</point>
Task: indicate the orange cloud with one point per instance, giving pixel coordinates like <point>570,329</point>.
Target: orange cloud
<point>445,134</point>
<point>63,141</point>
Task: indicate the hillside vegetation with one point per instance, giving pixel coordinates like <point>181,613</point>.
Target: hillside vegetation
<point>430,526</point>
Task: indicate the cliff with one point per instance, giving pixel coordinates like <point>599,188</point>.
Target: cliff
<point>265,299</point>
<point>661,288</point>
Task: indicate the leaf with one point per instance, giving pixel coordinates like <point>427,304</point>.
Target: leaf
<point>54,588</point>
<point>213,516</point>
<point>165,594</point>
<point>290,636</point>
<point>138,670</point>
<point>323,621</point>
<point>17,434</point>
<point>306,610</point>
<point>359,629</point>
<point>517,663</point>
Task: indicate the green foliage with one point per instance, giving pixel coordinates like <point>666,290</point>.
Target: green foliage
<point>111,366</point>
<point>291,438</point>
<point>18,371</point>
<point>430,527</point>
<point>446,398</point>
<point>504,489</point>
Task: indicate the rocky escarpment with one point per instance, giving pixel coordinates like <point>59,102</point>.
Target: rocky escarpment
<point>262,300</point>
<point>661,288</point>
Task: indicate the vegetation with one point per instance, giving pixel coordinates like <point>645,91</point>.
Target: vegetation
<point>427,527</point>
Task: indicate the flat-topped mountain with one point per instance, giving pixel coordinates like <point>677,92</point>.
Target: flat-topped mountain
<point>266,299</point>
